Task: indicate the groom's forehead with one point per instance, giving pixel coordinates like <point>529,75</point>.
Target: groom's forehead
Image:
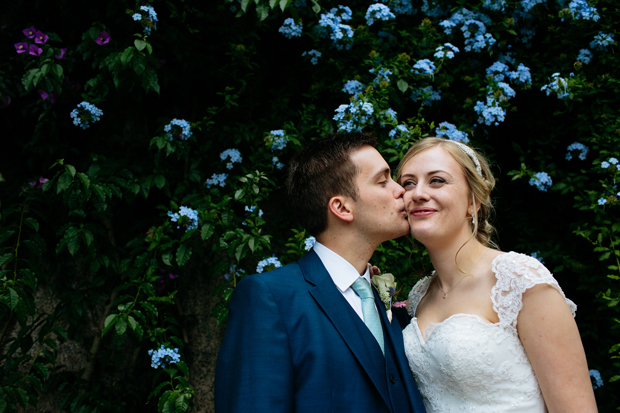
<point>368,162</point>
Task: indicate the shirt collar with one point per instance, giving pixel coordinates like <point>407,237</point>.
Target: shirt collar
<point>342,272</point>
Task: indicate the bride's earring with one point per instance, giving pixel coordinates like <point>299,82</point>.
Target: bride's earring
<point>473,220</point>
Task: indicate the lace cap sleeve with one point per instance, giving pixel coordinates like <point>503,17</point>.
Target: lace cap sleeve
<point>416,294</point>
<point>516,273</point>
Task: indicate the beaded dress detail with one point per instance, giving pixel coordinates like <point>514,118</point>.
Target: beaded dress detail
<point>467,364</point>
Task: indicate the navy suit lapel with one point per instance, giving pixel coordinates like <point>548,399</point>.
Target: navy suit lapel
<point>350,327</point>
<point>395,337</point>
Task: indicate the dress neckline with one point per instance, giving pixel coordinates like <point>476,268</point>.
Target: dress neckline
<point>455,315</point>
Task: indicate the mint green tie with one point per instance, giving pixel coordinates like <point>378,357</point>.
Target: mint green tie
<point>371,316</point>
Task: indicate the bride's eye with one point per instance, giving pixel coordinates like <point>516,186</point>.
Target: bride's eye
<point>438,181</point>
<point>408,184</point>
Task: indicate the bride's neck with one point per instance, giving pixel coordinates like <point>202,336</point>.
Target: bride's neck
<point>447,269</point>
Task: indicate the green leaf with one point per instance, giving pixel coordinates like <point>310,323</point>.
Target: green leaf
<point>284,4</point>
<point>150,307</point>
<point>252,244</point>
<point>138,331</point>
<point>140,44</point>
<point>220,312</point>
<point>316,8</point>
<point>183,367</point>
<point>70,169</point>
<point>41,369</point>
<point>58,71</point>
<point>160,181</point>
<point>183,254</point>
<point>239,194</point>
<point>206,231</point>
<point>88,237</point>
<point>13,299</point>
<point>244,4</point>
<point>138,66</point>
<point>64,182</point>
<point>6,258</point>
<point>110,320</point>
<point>84,178</point>
<point>31,78</point>
<point>32,223</point>
<point>121,326</point>
<point>272,3</point>
<point>240,252</point>
<point>166,256</point>
<point>132,322</point>
<point>402,85</point>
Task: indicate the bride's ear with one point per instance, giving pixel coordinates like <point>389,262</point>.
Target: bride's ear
<point>341,207</point>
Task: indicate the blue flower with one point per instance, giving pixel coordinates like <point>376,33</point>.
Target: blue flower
<point>330,24</point>
<point>391,115</point>
<point>480,39</point>
<point>612,161</point>
<point>580,9</point>
<point>85,114</point>
<point>441,52</point>
<point>148,19</point>
<point>383,73</point>
<point>424,67</point>
<point>269,264</point>
<point>353,87</point>
<point>216,179</point>
<point>585,56</point>
<point>507,91</point>
<point>490,112</point>
<point>233,154</point>
<point>602,40</point>
<point>352,117</point>
<point>291,29</point>
<point>400,6</point>
<point>398,130</point>
<point>278,139</point>
<point>252,209</point>
<point>435,11</point>
<point>378,11</point>
<point>557,85</point>
<point>537,256</point>
<point>497,5</point>
<point>596,378</point>
<point>605,165</point>
<point>602,201</point>
<point>163,356</point>
<point>497,70</point>
<point>309,243</point>
<point>178,128</point>
<point>576,146</point>
<point>529,4</point>
<point>521,75</point>
<point>542,181</point>
<point>314,56</point>
<point>184,211</point>
<point>426,94</point>
<point>276,162</point>
<point>450,131</point>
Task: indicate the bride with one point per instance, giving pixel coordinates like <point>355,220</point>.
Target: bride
<point>491,331</point>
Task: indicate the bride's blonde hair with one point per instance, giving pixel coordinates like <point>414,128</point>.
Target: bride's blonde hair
<point>480,184</point>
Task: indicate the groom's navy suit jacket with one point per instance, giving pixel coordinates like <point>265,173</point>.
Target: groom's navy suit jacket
<point>294,344</point>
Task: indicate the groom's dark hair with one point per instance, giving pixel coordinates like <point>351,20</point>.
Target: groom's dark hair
<point>322,170</point>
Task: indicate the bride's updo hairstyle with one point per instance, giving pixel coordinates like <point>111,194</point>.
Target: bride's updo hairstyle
<point>479,179</point>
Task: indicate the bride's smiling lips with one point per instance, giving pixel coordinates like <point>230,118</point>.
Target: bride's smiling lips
<point>423,212</point>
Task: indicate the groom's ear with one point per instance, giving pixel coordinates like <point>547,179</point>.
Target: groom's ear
<point>341,207</point>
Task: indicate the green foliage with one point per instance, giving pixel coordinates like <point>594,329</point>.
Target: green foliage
<point>92,256</point>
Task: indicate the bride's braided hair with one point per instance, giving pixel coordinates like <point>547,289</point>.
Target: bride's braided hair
<point>480,181</point>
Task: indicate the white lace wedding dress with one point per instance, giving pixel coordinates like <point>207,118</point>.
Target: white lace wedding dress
<point>468,364</point>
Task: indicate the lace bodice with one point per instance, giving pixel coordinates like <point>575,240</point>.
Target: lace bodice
<point>469,364</point>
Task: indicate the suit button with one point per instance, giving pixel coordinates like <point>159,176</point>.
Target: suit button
<point>393,379</point>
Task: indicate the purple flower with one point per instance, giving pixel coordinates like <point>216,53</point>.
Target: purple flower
<point>45,95</point>
<point>29,32</point>
<point>40,37</point>
<point>62,54</point>
<point>21,47</point>
<point>41,182</point>
<point>35,50</point>
<point>4,102</point>
<point>102,38</point>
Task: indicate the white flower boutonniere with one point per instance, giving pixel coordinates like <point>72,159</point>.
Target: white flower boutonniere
<point>386,286</point>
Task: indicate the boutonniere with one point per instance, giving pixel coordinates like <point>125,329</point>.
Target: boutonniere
<point>386,287</point>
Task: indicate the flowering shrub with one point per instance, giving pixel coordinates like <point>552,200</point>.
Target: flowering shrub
<point>112,231</point>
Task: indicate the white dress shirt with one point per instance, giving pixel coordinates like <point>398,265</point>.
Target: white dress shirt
<point>343,274</point>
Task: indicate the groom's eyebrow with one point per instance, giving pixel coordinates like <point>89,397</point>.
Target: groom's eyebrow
<point>385,171</point>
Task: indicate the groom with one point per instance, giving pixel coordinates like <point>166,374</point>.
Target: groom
<point>308,337</point>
